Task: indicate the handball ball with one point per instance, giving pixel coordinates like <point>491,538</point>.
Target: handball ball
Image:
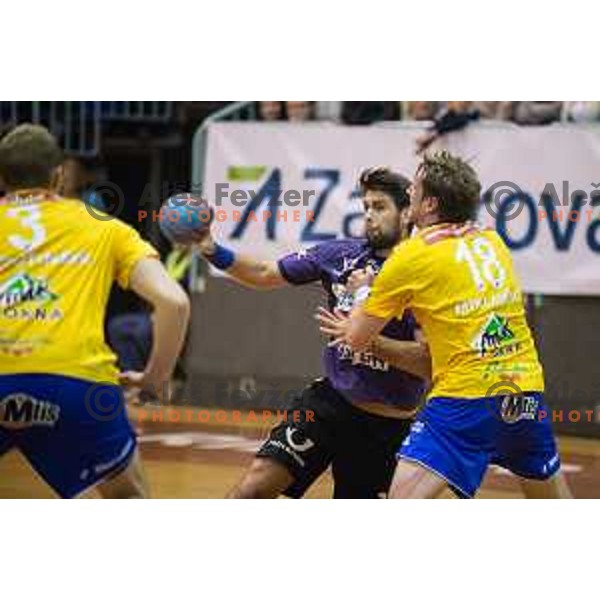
<point>185,218</point>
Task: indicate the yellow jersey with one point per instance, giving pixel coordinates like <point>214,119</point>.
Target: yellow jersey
<point>57,267</point>
<point>461,285</point>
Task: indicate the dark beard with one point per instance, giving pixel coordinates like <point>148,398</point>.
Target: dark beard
<point>387,241</point>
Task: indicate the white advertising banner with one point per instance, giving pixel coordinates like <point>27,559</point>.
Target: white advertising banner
<point>279,187</point>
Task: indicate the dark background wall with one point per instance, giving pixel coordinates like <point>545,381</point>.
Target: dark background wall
<point>254,349</point>
<point>567,332</point>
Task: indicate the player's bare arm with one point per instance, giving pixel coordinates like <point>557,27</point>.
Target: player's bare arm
<point>259,274</point>
<point>171,315</point>
<point>362,330</point>
<point>412,357</point>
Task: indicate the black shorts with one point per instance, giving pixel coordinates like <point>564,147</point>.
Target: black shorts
<point>322,428</point>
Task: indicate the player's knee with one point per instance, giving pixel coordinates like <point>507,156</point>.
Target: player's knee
<point>414,481</point>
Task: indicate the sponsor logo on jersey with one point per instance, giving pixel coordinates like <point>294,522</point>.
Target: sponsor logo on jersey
<point>365,358</point>
<point>519,408</point>
<point>23,288</point>
<point>31,258</point>
<point>496,371</point>
<point>19,411</point>
<point>26,298</point>
<point>466,307</point>
<point>35,314</point>
<point>20,347</point>
<point>344,300</point>
<point>495,338</point>
<point>297,440</point>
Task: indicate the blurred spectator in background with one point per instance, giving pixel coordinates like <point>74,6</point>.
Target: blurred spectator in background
<point>130,337</point>
<point>77,178</point>
<point>269,110</point>
<point>366,113</point>
<point>489,109</point>
<point>580,111</point>
<point>4,129</point>
<point>328,110</point>
<point>421,110</point>
<point>458,114</point>
<point>298,111</point>
<point>539,112</point>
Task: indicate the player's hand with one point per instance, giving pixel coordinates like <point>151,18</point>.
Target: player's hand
<point>157,387</point>
<point>360,278</point>
<point>333,324</point>
<point>206,244</point>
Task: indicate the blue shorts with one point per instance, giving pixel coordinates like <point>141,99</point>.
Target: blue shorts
<point>458,439</point>
<point>74,433</point>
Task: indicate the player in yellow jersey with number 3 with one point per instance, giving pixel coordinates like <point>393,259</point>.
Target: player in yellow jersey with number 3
<point>486,403</point>
<point>60,402</point>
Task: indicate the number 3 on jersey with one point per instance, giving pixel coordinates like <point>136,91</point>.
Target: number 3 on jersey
<point>30,219</point>
<point>483,263</point>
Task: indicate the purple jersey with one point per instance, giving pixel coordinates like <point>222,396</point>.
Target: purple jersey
<point>359,376</point>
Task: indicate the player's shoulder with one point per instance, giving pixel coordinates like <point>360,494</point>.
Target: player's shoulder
<point>344,245</point>
<point>76,210</point>
<point>409,248</point>
<point>341,248</point>
<point>91,220</point>
<point>449,231</point>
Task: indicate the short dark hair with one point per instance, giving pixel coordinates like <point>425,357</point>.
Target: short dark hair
<point>28,156</point>
<point>454,183</point>
<point>382,179</point>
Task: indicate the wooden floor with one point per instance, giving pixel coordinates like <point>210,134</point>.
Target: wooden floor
<point>205,460</point>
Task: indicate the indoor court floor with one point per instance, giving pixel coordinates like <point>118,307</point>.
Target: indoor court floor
<point>203,460</point>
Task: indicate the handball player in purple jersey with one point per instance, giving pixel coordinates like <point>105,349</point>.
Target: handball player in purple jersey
<point>357,416</point>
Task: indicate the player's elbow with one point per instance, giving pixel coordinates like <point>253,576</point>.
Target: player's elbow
<point>175,300</point>
<point>266,277</point>
<point>357,340</point>
<point>180,302</point>
<point>362,330</point>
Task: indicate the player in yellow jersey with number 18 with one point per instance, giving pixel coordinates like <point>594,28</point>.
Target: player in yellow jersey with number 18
<point>486,403</point>
<point>60,401</point>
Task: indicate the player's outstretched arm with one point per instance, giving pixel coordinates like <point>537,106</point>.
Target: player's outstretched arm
<point>363,329</point>
<point>411,357</point>
<point>260,274</point>
<point>171,316</point>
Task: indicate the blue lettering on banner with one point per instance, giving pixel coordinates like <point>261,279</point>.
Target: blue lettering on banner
<point>562,235</point>
<point>591,237</point>
<point>562,240</point>
<point>504,208</point>
<point>270,191</point>
<point>332,178</point>
<point>348,230</point>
